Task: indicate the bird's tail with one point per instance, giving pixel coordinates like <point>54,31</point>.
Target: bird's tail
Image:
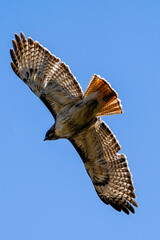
<point>107,94</point>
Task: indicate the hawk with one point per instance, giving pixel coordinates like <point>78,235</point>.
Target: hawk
<point>77,118</point>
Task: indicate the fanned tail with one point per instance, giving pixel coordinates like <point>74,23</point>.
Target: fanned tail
<point>108,95</point>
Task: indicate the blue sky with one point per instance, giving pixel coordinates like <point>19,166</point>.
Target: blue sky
<point>45,192</point>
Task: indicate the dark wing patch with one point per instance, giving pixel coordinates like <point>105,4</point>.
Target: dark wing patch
<point>108,170</point>
<point>50,79</point>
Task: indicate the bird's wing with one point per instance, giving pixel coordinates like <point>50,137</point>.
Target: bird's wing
<point>50,79</point>
<point>98,148</point>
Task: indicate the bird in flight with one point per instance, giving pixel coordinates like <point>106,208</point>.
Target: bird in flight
<point>77,118</point>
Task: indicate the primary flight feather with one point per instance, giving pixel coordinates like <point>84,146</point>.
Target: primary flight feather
<point>77,118</point>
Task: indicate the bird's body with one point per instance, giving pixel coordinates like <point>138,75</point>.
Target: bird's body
<point>72,119</point>
<point>77,118</point>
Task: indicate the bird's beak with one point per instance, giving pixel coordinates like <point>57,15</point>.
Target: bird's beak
<point>45,139</point>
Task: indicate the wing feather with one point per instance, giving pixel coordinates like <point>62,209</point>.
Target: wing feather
<point>107,169</point>
<point>50,79</point>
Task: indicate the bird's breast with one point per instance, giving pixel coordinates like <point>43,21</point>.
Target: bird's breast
<point>63,130</point>
<point>72,120</point>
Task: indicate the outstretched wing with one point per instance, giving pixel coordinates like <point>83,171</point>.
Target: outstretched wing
<point>108,170</point>
<point>50,79</point>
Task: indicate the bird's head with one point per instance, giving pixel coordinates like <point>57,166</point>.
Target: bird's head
<point>50,134</point>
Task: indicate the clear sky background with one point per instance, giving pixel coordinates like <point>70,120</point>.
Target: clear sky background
<point>45,192</point>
